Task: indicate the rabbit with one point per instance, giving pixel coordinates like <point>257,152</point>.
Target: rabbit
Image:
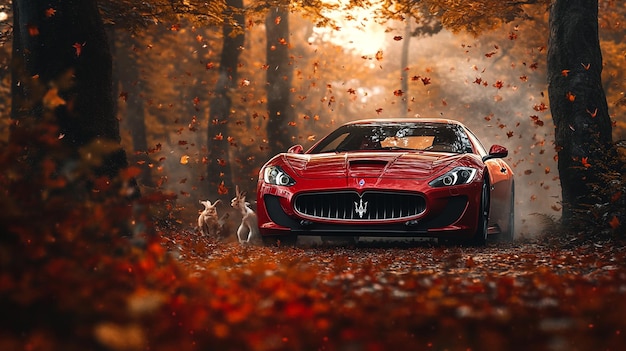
<point>248,231</point>
<point>208,221</point>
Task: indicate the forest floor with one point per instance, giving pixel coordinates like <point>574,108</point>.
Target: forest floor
<point>527,295</point>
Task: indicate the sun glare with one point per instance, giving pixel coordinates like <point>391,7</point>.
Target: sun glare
<point>356,30</point>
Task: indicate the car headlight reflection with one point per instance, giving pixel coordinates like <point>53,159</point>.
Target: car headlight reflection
<point>457,176</point>
<point>276,176</point>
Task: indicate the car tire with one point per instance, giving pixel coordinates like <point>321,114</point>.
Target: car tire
<point>280,240</point>
<point>480,237</point>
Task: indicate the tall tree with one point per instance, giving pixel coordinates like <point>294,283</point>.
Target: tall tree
<point>62,62</point>
<point>219,168</point>
<point>583,128</point>
<point>279,77</point>
<point>578,103</point>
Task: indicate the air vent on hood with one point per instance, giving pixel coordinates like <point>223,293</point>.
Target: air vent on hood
<point>379,163</point>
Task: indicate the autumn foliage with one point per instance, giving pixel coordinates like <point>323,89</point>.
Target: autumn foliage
<point>83,268</point>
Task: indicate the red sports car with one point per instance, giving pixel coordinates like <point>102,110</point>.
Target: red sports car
<point>410,177</point>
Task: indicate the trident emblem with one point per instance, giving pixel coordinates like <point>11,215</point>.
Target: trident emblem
<point>360,208</point>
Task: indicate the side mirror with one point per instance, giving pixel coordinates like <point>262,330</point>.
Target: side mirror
<point>496,151</point>
<point>296,149</point>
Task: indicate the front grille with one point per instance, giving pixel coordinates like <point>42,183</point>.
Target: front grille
<point>370,206</point>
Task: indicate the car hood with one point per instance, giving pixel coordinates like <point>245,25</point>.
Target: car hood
<point>415,165</point>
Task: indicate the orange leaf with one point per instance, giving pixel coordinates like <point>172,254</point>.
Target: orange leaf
<point>184,160</point>
<point>614,223</point>
<point>616,196</point>
<point>585,162</point>
<point>397,38</point>
<point>79,48</point>
<point>277,20</point>
<point>50,12</point>
<point>33,30</point>
<point>52,99</point>
<point>222,189</point>
<point>594,113</point>
<point>571,97</point>
<point>379,55</point>
<point>565,72</point>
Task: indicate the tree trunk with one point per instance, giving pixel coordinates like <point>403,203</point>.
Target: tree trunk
<point>127,74</point>
<point>62,46</point>
<point>279,76</point>
<point>219,167</point>
<point>578,103</point>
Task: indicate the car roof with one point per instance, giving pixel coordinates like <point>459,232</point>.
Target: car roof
<point>404,120</point>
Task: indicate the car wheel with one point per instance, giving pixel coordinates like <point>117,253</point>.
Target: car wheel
<point>280,240</point>
<point>480,237</point>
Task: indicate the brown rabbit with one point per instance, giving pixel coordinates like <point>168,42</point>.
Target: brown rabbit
<point>208,222</point>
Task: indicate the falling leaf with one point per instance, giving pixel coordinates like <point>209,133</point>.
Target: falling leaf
<point>184,160</point>
<point>124,96</point>
<point>222,189</point>
<point>614,223</point>
<point>221,162</point>
<point>291,124</point>
<point>571,97</point>
<point>50,12</point>
<point>397,92</point>
<point>397,38</point>
<point>218,137</point>
<point>512,36</point>
<point>79,48</point>
<point>33,30</point>
<point>52,99</point>
<point>586,66</point>
<point>616,196</point>
<point>499,84</point>
<point>536,120</point>
<point>379,110</point>
<point>565,72</point>
<point>585,162</point>
<point>379,55</point>
<point>547,170</point>
<point>277,20</point>
<point>540,108</point>
<point>594,113</point>
<point>528,172</point>
<point>209,65</point>
<point>426,80</point>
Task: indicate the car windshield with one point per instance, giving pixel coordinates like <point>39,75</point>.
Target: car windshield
<point>412,136</point>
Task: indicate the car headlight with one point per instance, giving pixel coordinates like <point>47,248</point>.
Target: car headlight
<point>457,176</point>
<point>276,176</point>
